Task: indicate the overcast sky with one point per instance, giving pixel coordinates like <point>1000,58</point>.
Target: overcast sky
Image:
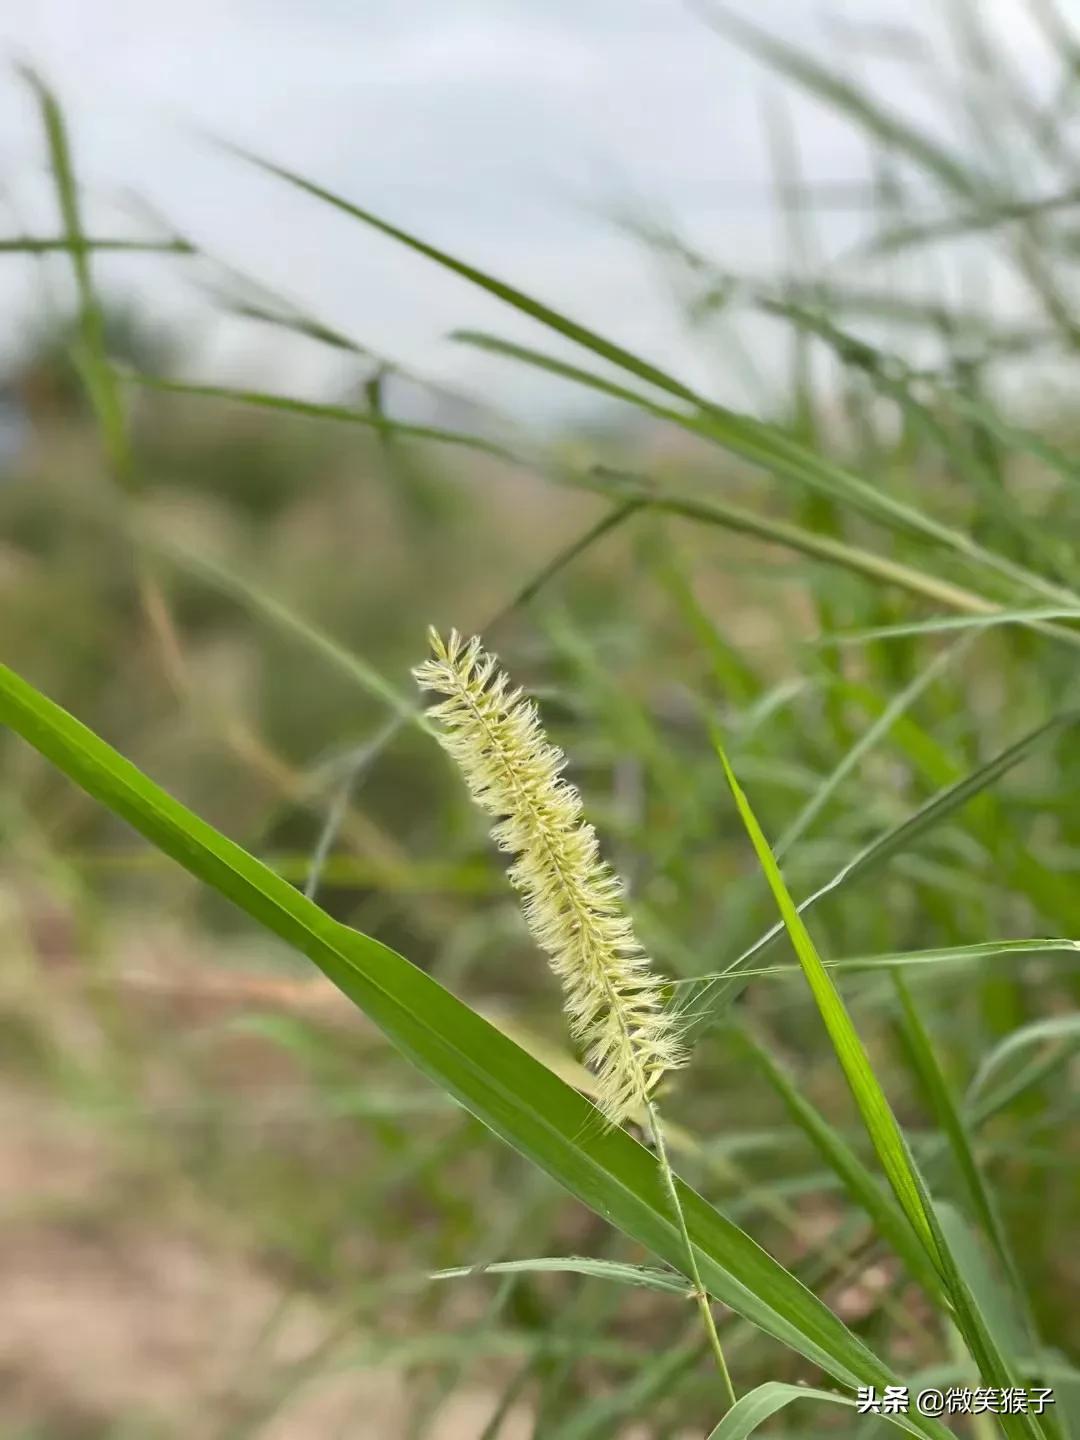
<point>504,130</point>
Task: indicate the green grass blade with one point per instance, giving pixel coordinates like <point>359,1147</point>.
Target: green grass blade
<point>904,959</point>
<point>925,1063</point>
<point>754,1408</point>
<point>640,1277</point>
<point>877,1115</point>
<point>247,299</point>
<point>587,379</point>
<point>876,1112</point>
<point>856,1179</point>
<point>896,707</point>
<point>616,516</point>
<point>93,357</point>
<point>713,995</point>
<point>315,410</point>
<point>860,561</point>
<point>536,309</point>
<point>939,624</point>
<point>1056,1027</point>
<point>515,1096</point>
<point>53,244</point>
<point>257,601</point>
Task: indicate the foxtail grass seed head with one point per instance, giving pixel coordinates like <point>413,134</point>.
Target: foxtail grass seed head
<point>572,901</point>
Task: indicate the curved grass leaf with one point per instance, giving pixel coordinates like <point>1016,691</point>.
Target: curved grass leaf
<point>903,959</point>
<point>317,410</point>
<point>519,1099</point>
<point>772,449</point>
<point>536,309</point>
<point>1057,1027</point>
<point>759,1405</point>
<point>641,1277</point>
<point>855,558</point>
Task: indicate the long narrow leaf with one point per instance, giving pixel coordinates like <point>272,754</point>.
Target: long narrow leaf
<point>640,1277</point>
<point>952,1123</point>
<point>764,444</point>
<point>860,1184</point>
<point>50,244</point>
<point>877,1115</point>
<point>1058,1027</point>
<point>759,1405</point>
<point>315,410</point>
<point>92,354</point>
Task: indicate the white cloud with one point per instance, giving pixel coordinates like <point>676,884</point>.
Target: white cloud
<point>498,128</point>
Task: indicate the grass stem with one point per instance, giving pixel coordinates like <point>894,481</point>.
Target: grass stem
<point>700,1293</point>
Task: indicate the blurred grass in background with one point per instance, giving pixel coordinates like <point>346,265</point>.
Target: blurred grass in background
<point>221,1189</point>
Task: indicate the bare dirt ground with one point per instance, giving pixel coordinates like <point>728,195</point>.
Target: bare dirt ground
<point>125,1315</point>
<point>147,1323</point>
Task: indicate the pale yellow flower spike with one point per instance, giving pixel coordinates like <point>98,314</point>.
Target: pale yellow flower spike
<point>571,899</point>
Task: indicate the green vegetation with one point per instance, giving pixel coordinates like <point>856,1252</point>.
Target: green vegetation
<point>816,674</point>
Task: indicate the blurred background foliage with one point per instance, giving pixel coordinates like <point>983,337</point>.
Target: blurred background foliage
<point>221,1191</point>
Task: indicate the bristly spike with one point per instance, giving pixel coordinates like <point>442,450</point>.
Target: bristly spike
<point>571,899</point>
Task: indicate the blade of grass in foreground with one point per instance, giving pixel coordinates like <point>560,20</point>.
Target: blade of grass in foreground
<point>880,1122</point>
<point>761,1404</point>
<point>519,1099</point>
<point>874,1108</point>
